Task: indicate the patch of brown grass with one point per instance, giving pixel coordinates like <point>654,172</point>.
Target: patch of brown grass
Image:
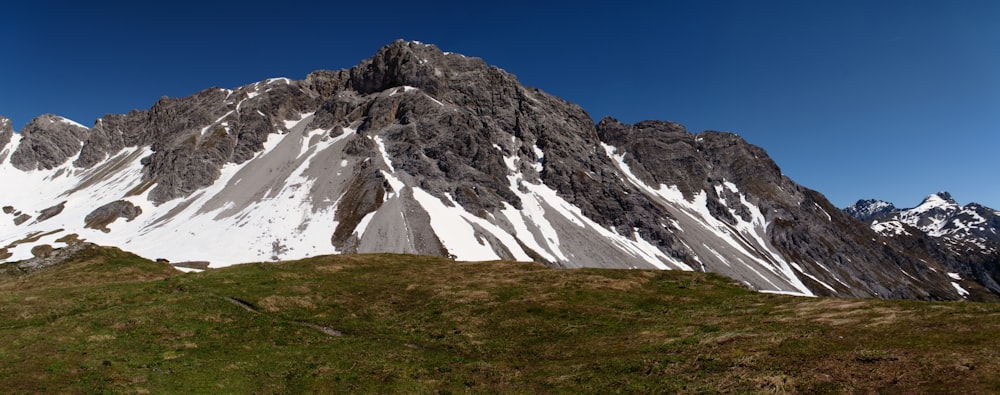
<point>277,303</point>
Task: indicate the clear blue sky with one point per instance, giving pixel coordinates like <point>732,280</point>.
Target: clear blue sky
<point>857,99</point>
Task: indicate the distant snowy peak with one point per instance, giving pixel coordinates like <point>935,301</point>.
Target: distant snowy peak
<point>941,201</point>
<point>867,210</point>
<point>969,227</point>
<point>966,239</point>
<point>935,215</point>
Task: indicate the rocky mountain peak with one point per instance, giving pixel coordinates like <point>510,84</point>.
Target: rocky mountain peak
<point>937,205</point>
<point>47,142</point>
<point>411,63</point>
<point>938,199</point>
<point>866,210</point>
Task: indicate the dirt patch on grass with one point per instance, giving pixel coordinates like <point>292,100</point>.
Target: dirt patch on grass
<point>618,284</point>
<point>823,305</point>
<point>274,304</point>
<point>287,275</point>
<point>461,296</point>
<point>470,296</point>
<point>603,283</point>
<point>886,371</point>
<point>885,316</point>
<point>839,312</point>
<point>332,268</point>
<point>724,338</point>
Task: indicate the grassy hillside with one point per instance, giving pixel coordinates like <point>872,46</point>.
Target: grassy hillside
<point>111,322</point>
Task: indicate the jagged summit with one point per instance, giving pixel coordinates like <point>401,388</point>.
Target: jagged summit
<point>936,201</point>
<point>47,142</point>
<point>411,63</point>
<point>867,210</point>
<point>942,195</point>
<point>415,150</point>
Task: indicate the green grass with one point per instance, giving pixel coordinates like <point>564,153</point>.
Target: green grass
<point>115,323</point>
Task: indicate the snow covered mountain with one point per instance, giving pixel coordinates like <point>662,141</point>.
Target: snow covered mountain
<point>966,239</point>
<point>416,150</point>
<point>867,210</point>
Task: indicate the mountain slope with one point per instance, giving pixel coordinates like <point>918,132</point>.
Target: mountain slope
<point>420,151</point>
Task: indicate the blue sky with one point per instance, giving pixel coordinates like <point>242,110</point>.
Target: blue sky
<point>856,99</point>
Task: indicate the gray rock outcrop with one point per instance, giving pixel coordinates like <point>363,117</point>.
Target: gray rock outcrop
<point>107,214</point>
<point>6,134</point>
<point>47,142</point>
<point>51,212</point>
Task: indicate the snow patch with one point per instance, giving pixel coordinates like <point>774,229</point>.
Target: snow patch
<point>828,217</point>
<point>72,122</point>
<point>961,291</point>
<point>385,155</point>
<point>363,224</point>
<point>539,163</point>
<point>790,293</point>
<point>434,100</point>
<point>453,226</point>
<point>892,228</point>
<point>396,184</point>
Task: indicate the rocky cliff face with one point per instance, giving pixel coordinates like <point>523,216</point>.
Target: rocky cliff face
<point>6,133</point>
<point>740,185</point>
<point>420,151</point>
<point>47,142</point>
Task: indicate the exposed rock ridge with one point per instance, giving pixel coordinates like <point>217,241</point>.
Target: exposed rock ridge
<point>48,141</point>
<point>103,216</point>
